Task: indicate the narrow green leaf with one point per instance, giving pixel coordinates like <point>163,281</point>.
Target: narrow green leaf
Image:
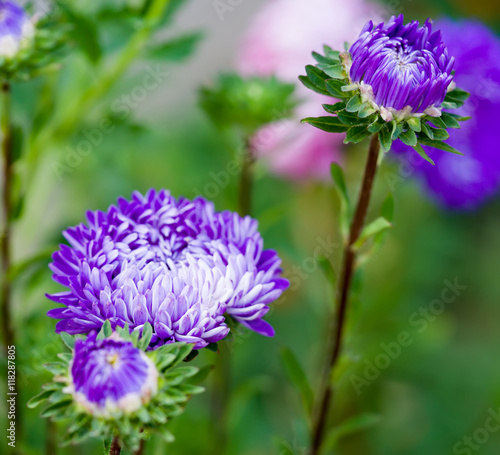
<point>427,130</point>
<point>328,123</point>
<point>438,122</point>
<point>17,142</point>
<point>334,88</point>
<point>68,340</point>
<point>438,145</point>
<point>328,270</point>
<point>322,59</point>
<point>387,210</point>
<point>415,124</point>
<point>375,227</point>
<point>147,333</point>
<point>458,94</point>
<point>56,368</point>
<point>55,408</point>
<point>330,53</point>
<point>418,148</point>
<point>397,129</point>
<point>202,374</point>
<point>354,104</point>
<point>450,120</point>
<point>335,71</point>
<point>375,127</point>
<point>298,378</point>
<point>356,134</point>
<point>339,179</point>
<point>308,84</point>
<point>37,399</point>
<point>440,134</point>
<point>105,331</point>
<point>334,108</point>
<point>351,426</point>
<point>316,76</point>
<point>409,138</point>
<point>366,110</point>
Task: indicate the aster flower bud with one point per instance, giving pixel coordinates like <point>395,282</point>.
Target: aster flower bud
<point>395,80</point>
<point>111,376</point>
<point>15,28</point>
<point>110,387</point>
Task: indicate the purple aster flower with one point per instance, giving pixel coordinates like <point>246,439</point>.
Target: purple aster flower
<point>175,263</point>
<point>111,376</point>
<point>401,69</point>
<point>15,26</point>
<point>465,182</point>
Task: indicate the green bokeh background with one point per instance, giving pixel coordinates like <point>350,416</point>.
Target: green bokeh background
<point>437,391</point>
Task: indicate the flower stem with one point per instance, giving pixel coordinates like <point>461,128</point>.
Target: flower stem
<point>339,317</point>
<point>5,253</point>
<point>115,448</point>
<point>246,181</point>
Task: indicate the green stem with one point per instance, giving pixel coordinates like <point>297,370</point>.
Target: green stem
<point>8,328</point>
<point>246,181</point>
<point>64,123</point>
<point>338,320</point>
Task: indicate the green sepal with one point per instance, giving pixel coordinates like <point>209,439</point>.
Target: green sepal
<point>40,398</point>
<point>409,138</point>
<point>356,134</point>
<point>450,120</point>
<point>334,108</point>
<point>68,340</point>
<point>376,126</point>
<point>440,134</point>
<point>147,333</point>
<point>335,71</point>
<point>316,76</point>
<point>415,124</point>
<point>397,129</point>
<point>366,110</point>
<point>427,130</point>
<point>385,138</point>
<point>354,104</point>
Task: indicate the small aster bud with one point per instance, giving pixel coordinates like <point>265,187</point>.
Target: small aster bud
<point>111,376</point>
<point>15,28</point>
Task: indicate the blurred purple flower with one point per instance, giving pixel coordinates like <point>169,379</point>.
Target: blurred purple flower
<point>464,182</point>
<point>274,45</point>
<point>15,26</point>
<point>111,376</point>
<point>175,263</point>
<point>402,66</point>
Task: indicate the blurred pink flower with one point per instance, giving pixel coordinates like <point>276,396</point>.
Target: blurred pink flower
<point>279,41</point>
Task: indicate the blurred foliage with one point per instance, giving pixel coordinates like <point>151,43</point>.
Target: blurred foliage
<point>436,391</point>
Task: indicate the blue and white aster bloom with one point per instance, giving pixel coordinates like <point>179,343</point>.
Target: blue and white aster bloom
<point>174,263</point>
<point>402,70</point>
<point>15,28</point>
<point>110,376</point>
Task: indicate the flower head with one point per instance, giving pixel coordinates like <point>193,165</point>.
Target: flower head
<point>15,26</point>
<point>466,182</point>
<point>402,66</point>
<point>174,263</point>
<point>393,81</point>
<point>111,376</point>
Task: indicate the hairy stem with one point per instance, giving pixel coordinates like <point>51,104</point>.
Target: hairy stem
<point>7,326</point>
<point>342,300</point>
<point>115,448</point>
